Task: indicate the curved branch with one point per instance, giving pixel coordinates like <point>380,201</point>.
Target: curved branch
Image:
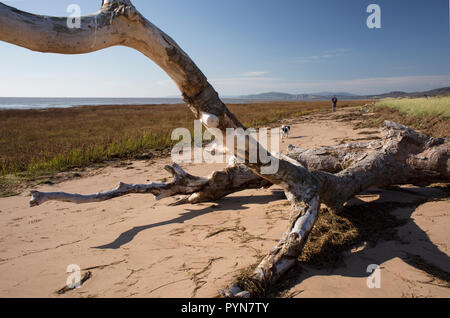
<point>183,183</point>
<point>119,23</point>
<point>195,189</point>
<point>116,23</point>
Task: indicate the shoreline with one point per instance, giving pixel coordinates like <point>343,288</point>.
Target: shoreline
<point>91,102</point>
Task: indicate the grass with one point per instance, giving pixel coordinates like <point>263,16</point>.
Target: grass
<point>37,141</point>
<point>419,106</point>
<point>41,142</point>
<point>436,126</point>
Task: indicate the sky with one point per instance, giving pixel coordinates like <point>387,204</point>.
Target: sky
<point>249,47</point>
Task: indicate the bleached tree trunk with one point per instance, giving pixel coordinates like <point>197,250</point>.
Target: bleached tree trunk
<point>119,23</point>
<point>419,160</point>
<point>195,189</point>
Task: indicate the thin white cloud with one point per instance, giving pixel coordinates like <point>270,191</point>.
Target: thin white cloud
<point>363,86</point>
<point>252,74</point>
<point>327,54</point>
<point>337,51</point>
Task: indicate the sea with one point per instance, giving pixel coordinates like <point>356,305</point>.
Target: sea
<point>51,102</point>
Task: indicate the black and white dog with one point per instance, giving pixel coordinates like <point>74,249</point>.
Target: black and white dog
<point>285,130</point>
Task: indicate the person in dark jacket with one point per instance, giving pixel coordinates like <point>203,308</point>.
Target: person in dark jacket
<point>334,100</point>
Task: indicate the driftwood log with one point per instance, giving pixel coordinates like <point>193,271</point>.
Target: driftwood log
<point>328,175</point>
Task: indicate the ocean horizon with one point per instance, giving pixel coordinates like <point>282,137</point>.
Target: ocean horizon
<point>61,102</point>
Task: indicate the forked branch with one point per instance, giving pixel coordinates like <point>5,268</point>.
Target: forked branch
<point>195,189</point>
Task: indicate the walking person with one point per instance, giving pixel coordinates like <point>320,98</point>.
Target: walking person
<point>334,100</point>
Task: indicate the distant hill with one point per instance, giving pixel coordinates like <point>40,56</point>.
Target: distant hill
<point>271,96</point>
<point>333,94</point>
<point>284,96</point>
<point>431,93</point>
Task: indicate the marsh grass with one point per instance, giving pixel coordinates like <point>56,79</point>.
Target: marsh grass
<point>57,139</point>
<point>35,143</point>
<point>439,105</point>
<point>436,126</point>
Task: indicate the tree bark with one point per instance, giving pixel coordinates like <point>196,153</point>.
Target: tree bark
<point>196,189</point>
<point>406,156</point>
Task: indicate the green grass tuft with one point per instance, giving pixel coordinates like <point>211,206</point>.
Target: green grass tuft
<point>419,106</point>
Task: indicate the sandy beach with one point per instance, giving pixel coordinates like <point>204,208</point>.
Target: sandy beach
<point>135,246</point>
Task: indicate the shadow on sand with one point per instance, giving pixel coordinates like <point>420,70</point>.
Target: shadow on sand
<point>387,228</point>
<point>371,222</point>
<point>225,204</point>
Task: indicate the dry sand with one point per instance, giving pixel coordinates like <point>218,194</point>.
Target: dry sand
<point>135,246</point>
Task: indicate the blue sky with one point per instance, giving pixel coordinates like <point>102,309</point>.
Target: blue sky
<point>250,46</point>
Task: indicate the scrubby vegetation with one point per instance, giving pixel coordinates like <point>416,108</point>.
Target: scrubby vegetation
<point>420,106</point>
<point>40,142</point>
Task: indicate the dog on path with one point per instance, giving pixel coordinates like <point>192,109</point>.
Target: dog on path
<point>285,130</point>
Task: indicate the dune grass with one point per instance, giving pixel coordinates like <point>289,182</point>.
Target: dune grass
<point>419,106</point>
